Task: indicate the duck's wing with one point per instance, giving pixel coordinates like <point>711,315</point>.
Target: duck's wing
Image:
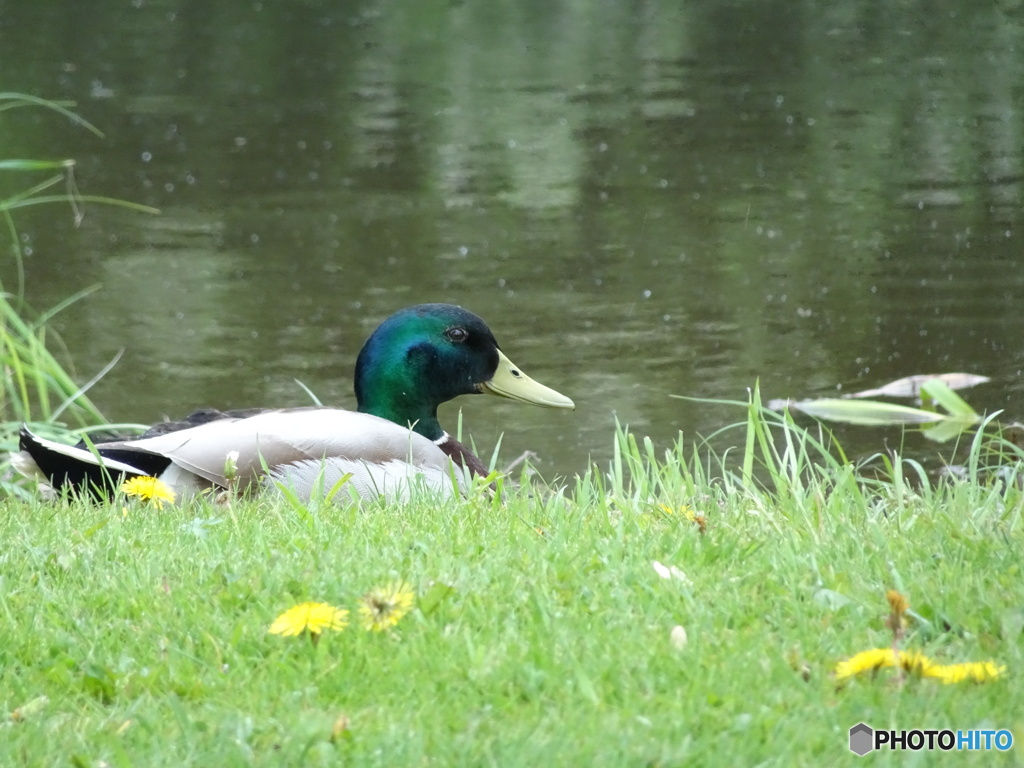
<point>196,419</point>
<point>278,438</point>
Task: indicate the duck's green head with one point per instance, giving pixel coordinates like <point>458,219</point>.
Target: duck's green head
<point>425,355</point>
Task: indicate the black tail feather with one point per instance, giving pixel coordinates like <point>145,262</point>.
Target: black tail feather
<point>81,476</point>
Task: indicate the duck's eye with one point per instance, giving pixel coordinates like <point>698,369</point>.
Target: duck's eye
<point>457,335</point>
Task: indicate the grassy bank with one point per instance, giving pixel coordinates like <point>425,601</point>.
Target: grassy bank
<point>35,384</point>
<point>542,633</point>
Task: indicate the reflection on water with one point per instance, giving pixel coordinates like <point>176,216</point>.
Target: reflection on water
<point>641,199</point>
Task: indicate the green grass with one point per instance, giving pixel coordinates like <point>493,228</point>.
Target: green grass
<point>35,385</point>
<point>147,631</point>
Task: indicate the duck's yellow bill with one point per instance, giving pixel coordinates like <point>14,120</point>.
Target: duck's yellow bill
<point>508,381</point>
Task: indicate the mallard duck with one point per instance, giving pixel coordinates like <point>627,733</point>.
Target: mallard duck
<point>415,360</point>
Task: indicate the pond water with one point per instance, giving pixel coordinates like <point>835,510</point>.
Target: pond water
<point>643,199</point>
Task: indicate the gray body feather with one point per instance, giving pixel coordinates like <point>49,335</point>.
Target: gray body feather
<point>304,448</point>
<point>393,480</point>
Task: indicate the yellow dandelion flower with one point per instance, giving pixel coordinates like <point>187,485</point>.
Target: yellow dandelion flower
<point>913,662</point>
<point>149,489</point>
<point>311,617</point>
<point>865,661</point>
<point>974,672</point>
<point>684,511</point>
<point>687,513</point>
<point>916,663</point>
<point>383,607</point>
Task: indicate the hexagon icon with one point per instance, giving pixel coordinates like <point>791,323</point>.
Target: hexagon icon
<point>862,739</point>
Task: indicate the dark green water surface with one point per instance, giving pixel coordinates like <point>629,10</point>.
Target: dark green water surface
<point>641,198</point>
